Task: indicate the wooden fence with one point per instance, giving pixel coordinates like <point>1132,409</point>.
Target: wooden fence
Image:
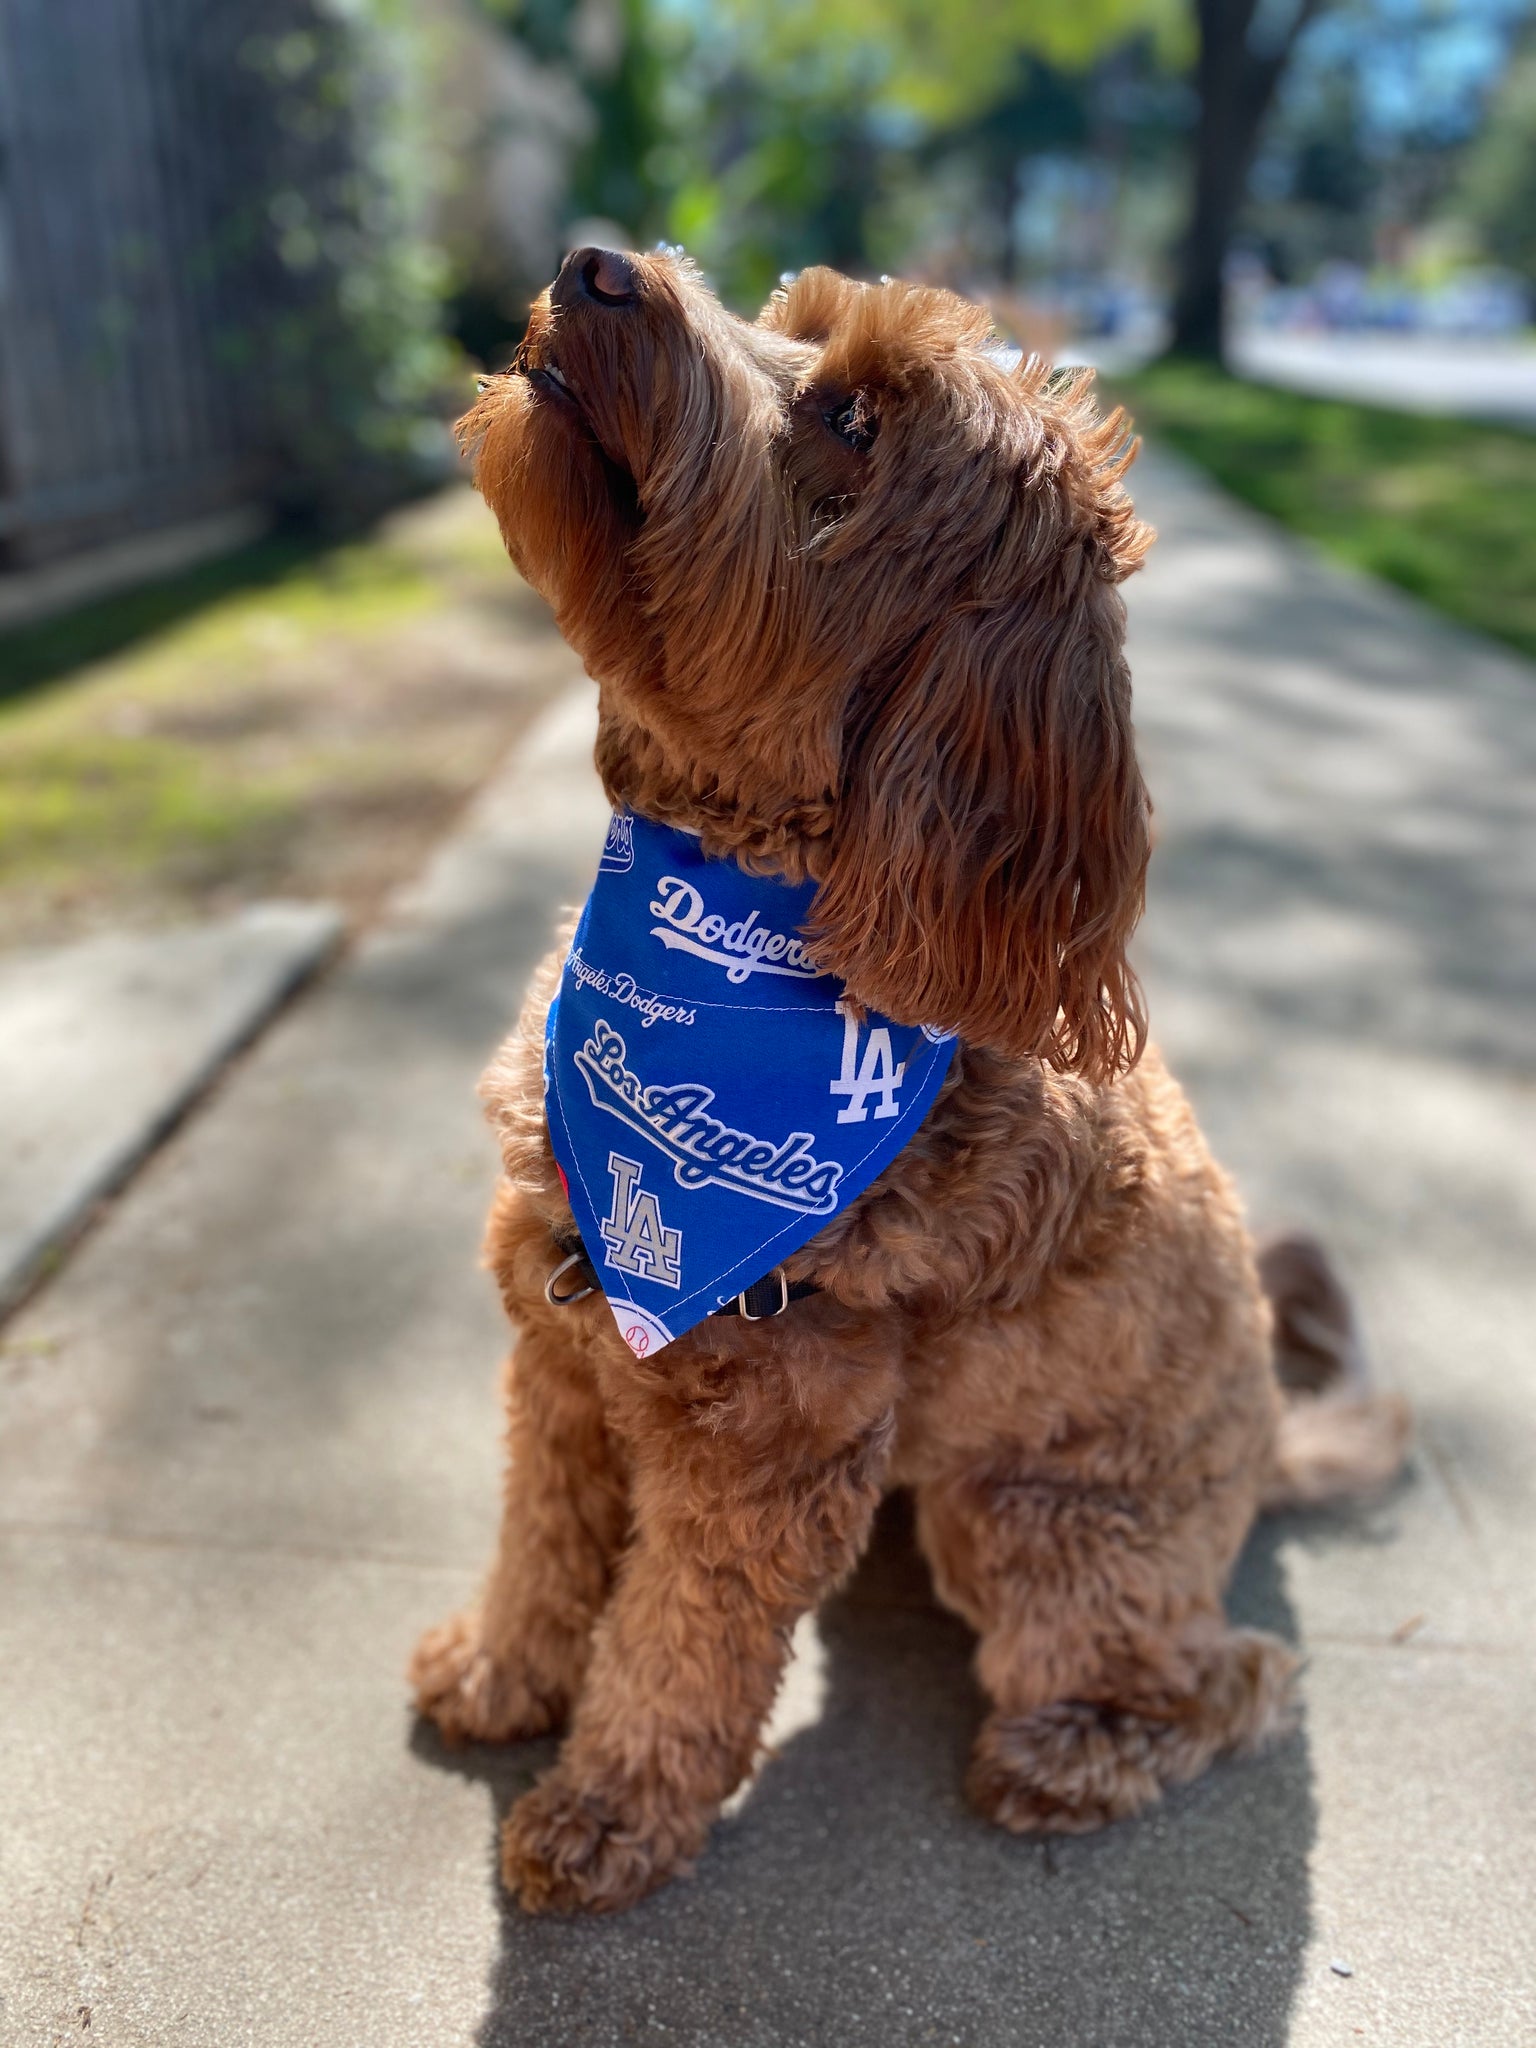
<point>126,140</point>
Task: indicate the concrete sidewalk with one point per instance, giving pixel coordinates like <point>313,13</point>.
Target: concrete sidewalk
<point>105,1043</point>
<point>1490,378</point>
<point>248,1448</point>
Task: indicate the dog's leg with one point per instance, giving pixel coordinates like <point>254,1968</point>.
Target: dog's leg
<point>1110,1663</point>
<point>511,1665</point>
<point>744,1517</point>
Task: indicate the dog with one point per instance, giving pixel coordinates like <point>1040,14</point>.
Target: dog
<point>848,581</point>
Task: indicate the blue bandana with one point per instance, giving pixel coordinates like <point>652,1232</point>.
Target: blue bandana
<point>712,1099</point>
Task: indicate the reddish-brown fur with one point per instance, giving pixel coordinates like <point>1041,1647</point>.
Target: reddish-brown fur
<point>895,668</point>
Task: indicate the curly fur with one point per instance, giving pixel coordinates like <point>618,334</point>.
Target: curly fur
<point>891,663</point>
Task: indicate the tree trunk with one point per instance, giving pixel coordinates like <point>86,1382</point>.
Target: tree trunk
<point>1235,85</point>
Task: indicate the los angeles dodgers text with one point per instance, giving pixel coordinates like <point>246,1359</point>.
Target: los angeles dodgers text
<point>638,1241</point>
<point>624,989</point>
<point>702,1148</point>
<point>742,949</point>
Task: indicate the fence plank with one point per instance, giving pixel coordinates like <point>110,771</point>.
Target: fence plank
<point>119,163</point>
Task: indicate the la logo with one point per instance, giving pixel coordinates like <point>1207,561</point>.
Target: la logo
<point>638,1241</point>
<point>876,1074</point>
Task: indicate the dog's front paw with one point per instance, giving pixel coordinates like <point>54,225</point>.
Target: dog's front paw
<point>473,1694</point>
<point>566,1850</point>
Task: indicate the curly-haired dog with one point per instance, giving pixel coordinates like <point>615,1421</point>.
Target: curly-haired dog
<point>849,587</point>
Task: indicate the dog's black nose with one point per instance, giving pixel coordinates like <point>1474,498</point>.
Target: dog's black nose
<point>601,275</point>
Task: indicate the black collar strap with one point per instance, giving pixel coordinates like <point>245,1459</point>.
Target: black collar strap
<point>576,1277</point>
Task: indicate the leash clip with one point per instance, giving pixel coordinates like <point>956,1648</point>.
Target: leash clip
<point>782,1277</point>
<point>566,1300</point>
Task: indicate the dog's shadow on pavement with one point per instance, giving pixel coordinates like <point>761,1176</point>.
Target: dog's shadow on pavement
<point>855,1902</point>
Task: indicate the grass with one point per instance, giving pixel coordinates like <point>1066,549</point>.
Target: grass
<point>286,723</point>
<point>31,656</point>
<point>1444,508</point>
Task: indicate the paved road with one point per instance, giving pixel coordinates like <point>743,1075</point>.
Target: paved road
<point>247,1449</point>
<point>1415,373</point>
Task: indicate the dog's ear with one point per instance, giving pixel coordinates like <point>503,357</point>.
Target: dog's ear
<point>988,859</point>
<point>808,307</point>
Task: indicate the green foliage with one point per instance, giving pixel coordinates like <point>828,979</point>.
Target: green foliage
<point>850,132</point>
<point>1498,191</point>
<point>1445,508</point>
<point>796,182</point>
<point>615,176</point>
<point>947,64</point>
<point>620,55</point>
<point>348,346</point>
<point>543,27</point>
<point>764,135</point>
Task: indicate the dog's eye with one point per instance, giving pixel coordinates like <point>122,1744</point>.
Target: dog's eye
<point>853,421</point>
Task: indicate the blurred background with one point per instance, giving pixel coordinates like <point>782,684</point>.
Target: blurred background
<point>277,715</point>
<point>250,256</point>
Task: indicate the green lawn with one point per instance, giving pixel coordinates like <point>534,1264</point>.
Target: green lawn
<point>1445,508</point>
<point>288,722</point>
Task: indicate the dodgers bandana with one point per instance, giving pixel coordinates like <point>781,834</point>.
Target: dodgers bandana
<point>712,1100</point>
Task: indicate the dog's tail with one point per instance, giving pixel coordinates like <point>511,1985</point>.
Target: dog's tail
<point>1337,1438</point>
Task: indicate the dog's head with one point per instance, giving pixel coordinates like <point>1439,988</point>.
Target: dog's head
<point>848,583</point>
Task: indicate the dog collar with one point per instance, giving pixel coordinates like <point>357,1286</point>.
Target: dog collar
<point>713,1099</point>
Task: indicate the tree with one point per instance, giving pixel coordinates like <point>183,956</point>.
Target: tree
<point>949,66</point>
<point>1242,55</point>
<point>1498,191</point>
<point>825,130</point>
<point>770,133</point>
